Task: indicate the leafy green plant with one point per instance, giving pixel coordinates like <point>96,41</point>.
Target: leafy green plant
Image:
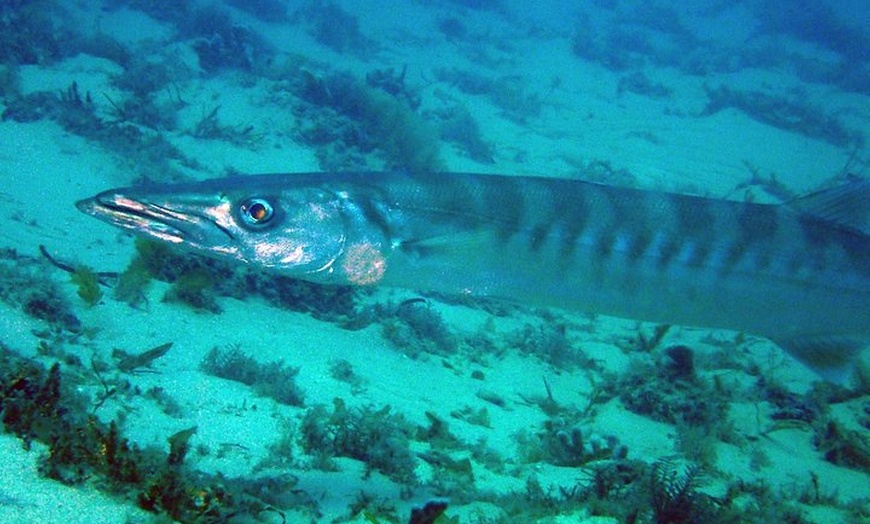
<point>88,285</point>
<point>37,405</point>
<point>415,327</point>
<point>273,379</point>
<point>340,109</point>
<point>377,437</point>
<point>194,289</point>
<point>675,498</point>
<point>24,285</point>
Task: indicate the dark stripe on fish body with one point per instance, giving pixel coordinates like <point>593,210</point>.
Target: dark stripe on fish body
<point>699,254</point>
<point>506,198</point>
<point>695,223</point>
<point>856,251</point>
<point>559,209</point>
<point>538,236</point>
<point>667,252</point>
<point>453,199</point>
<point>638,245</point>
<point>813,234</point>
<point>636,227</point>
<point>834,248</point>
<point>693,220</point>
<point>620,218</point>
<point>757,227</point>
<point>604,244</point>
<point>574,222</point>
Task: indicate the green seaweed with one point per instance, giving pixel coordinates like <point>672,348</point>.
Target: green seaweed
<point>87,284</point>
<point>668,390</point>
<point>414,327</point>
<point>341,111</point>
<point>847,448</point>
<point>24,285</point>
<point>38,405</point>
<point>795,114</point>
<point>132,282</point>
<point>333,27</point>
<point>209,127</point>
<point>457,125</point>
<point>195,289</point>
<point>273,379</point>
<point>562,443</point>
<point>675,498</point>
<point>377,437</point>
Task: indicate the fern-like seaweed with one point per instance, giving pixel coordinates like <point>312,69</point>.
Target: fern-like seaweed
<point>675,499</point>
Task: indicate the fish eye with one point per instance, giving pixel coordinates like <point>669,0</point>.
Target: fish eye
<point>256,211</point>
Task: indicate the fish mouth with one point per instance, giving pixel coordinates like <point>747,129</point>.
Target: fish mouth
<point>140,216</point>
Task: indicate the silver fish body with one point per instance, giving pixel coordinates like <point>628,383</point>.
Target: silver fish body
<point>798,274</point>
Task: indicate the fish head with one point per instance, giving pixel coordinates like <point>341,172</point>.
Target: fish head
<point>297,231</point>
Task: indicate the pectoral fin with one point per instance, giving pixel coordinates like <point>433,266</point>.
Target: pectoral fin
<point>461,244</point>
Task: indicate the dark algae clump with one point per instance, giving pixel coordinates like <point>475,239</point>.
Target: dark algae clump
<point>23,285</point>
<point>38,405</point>
<point>377,437</point>
<point>273,379</point>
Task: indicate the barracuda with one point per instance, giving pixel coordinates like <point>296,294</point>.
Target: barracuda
<point>797,273</point>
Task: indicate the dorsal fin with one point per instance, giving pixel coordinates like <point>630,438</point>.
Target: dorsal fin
<point>847,205</point>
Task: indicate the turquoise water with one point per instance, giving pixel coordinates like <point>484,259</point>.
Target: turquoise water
<point>142,382</point>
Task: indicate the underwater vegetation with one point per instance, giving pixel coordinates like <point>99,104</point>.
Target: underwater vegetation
<point>393,83</point>
<point>346,120</point>
<point>670,391</point>
<point>131,126</point>
<point>88,285</point>
<point>199,281</point>
<point>562,443</point>
<point>218,41</point>
<point>343,371</point>
<point>266,10</point>
<point>38,405</point>
<point>508,93</point>
<point>675,498</point>
<point>333,27</point>
<point>549,342</point>
<point>30,32</point>
<point>457,125</point>
<point>377,437</point>
<point>274,379</point>
<point>23,285</point>
<point>353,121</point>
<point>796,115</point>
<point>639,83</point>
<point>78,113</point>
<point>611,481</point>
<point>222,44</point>
<point>668,491</point>
<point>645,35</point>
<point>210,128</point>
<point>414,327</point>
